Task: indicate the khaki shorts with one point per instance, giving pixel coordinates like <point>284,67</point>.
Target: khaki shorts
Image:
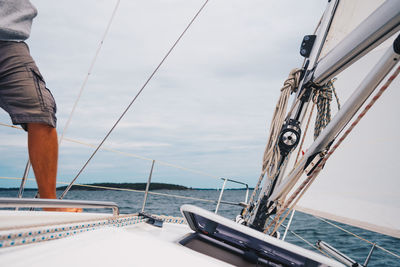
<point>23,92</point>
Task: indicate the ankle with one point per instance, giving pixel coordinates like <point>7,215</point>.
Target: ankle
<point>48,195</point>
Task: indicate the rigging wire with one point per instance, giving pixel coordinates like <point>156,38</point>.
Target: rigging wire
<point>134,99</point>
<point>129,154</point>
<point>359,237</point>
<point>89,72</point>
<point>212,201</point>
<point>148,159</point>
<point>133,190</point>
<point>306,241</point>
<point>271,153</point>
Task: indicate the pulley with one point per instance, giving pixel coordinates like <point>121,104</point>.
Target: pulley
<point>289,136</point>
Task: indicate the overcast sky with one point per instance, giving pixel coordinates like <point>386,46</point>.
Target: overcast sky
<point>207,109</point>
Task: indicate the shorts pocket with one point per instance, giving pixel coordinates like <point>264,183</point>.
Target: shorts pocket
<point>40,86</point>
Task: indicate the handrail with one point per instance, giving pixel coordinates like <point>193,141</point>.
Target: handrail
<point>160,162</point>
<point>220,195</point>
<point>148,186</point>
<point>57,203</point>
<point>149,192</point>
<point>222,192</point>
<point>238,182</point>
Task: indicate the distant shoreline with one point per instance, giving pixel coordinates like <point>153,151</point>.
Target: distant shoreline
<point>129,186</point>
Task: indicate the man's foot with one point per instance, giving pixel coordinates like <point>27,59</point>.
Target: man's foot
<point>63,209</point>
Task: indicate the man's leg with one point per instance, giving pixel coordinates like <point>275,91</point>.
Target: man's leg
<point>23,94</point>
<point>43,154</point>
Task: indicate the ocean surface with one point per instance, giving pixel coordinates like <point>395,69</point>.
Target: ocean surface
<point>306,226</point>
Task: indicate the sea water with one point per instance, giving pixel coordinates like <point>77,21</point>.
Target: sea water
<point>303,227</point>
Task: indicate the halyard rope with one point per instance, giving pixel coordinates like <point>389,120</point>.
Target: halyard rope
<point>271,153</point>
<point>307,182</point>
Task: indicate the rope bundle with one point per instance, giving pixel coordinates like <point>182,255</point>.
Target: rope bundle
<point>323,98</point>
<point>271,153</point>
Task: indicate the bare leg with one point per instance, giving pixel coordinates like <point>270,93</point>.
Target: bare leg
<point>43,154</point>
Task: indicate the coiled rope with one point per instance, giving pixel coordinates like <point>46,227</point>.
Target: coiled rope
<point>323,98</point>
<point>271,152</point>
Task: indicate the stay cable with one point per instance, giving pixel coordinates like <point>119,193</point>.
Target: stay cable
<point>134,99</point>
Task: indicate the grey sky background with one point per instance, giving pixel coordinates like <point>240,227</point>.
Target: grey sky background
<point>208,108</point>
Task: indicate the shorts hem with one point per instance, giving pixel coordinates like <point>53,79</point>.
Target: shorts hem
<point>24,120</point>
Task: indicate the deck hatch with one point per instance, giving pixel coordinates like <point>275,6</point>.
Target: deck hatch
<point>215,238</point>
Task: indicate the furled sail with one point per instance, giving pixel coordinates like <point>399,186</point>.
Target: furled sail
<point>360,183</point>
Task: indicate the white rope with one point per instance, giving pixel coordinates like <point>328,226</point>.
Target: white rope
<point>89,71</point>
<point>271,153</point>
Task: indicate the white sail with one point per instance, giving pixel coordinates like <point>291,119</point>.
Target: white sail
<point>360,184</point>
<point>348,15</point>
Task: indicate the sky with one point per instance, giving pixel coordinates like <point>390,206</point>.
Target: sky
<point>208,108</point>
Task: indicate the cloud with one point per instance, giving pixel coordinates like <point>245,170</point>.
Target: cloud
<point>208,107</point>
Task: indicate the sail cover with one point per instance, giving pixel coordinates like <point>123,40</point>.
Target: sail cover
<point>360,183</point>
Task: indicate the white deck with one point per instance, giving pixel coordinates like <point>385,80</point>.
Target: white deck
<point>114,243</point>
<point>136,245</point>
<point>9,218</point>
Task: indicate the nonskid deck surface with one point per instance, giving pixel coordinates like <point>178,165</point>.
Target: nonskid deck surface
<point>46,238</point>
<point>127,243</point>
<point>14,219</point>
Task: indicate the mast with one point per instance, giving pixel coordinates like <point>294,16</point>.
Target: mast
<point>257,221</point>
<point>379,26</point>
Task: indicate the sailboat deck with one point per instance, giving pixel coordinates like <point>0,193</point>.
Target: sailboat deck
<point>138,244</point>
<point>12,219</point>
